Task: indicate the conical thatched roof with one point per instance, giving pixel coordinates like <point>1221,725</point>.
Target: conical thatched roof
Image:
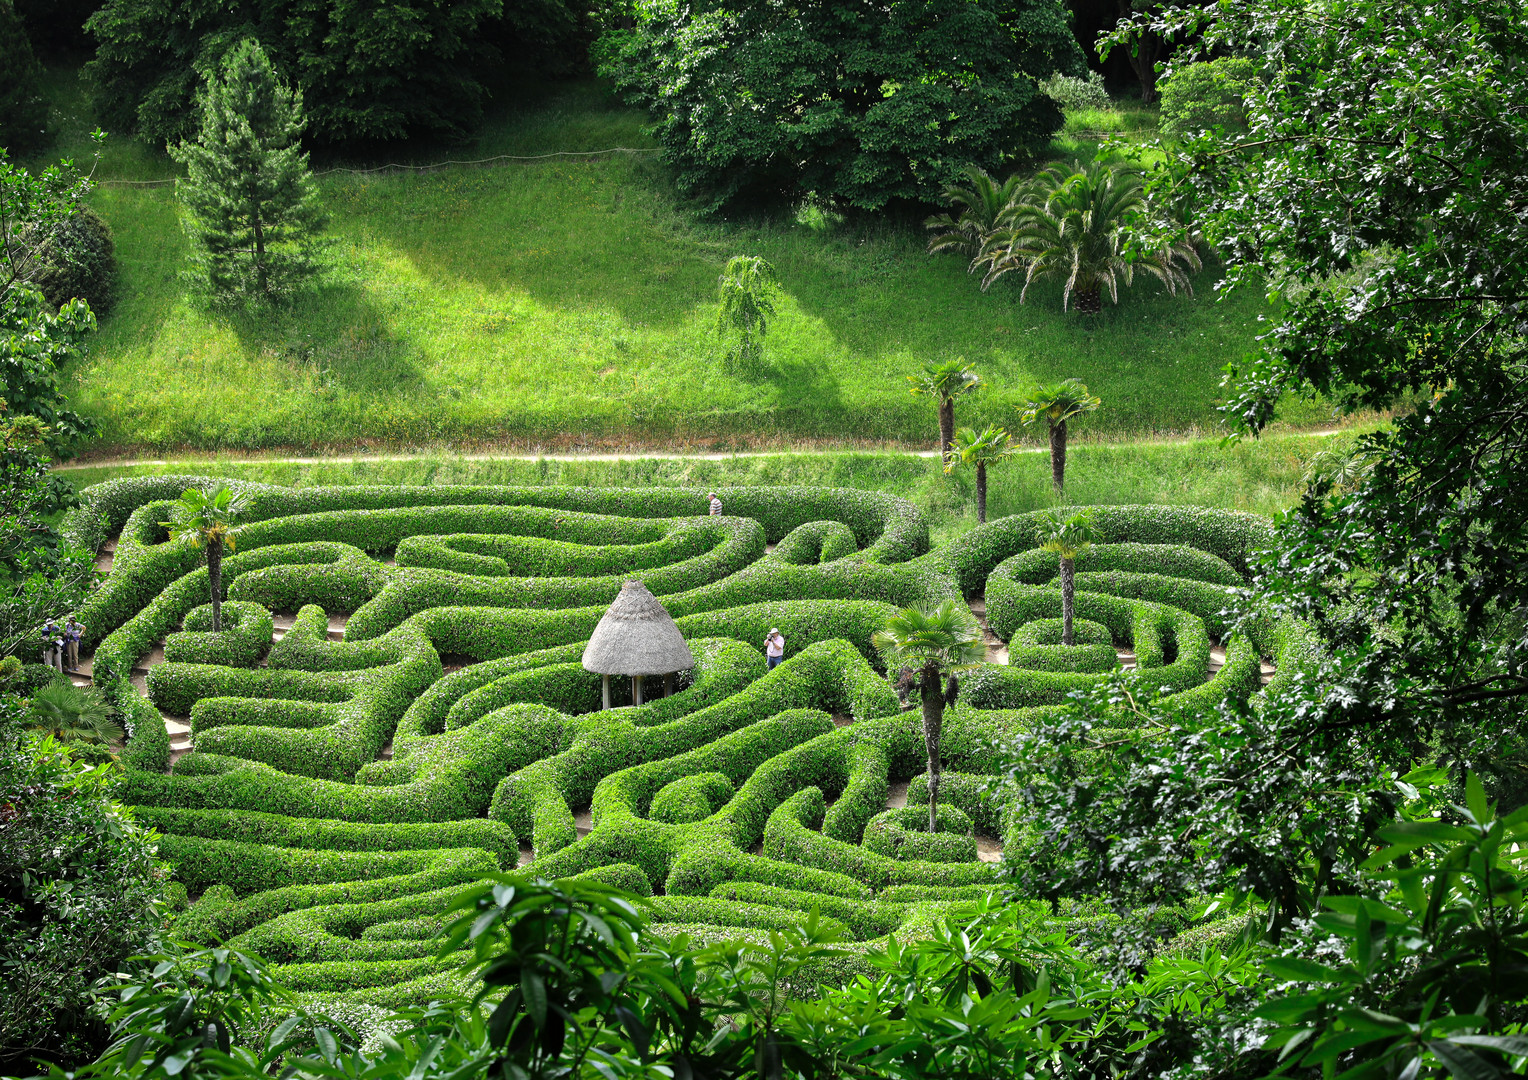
<point>637,636</point>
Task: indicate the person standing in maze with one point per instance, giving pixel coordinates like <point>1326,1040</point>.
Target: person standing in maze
<point>716,504</point>
<point>73,631</point>
<point>53,646</point>
<point>774,647</point>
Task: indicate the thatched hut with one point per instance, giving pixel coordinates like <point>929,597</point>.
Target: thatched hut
<point>637,637</point>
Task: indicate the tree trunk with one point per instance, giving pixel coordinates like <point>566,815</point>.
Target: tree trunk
<point>215,582</point>
<point>1090,301</point>
<point>946,427</point>
<point>260,276</point>
<point>981,493</point>
<point>1058,457</point>
<point>1068,596</point>
<point>1142,53</point>
<point>933,723</point>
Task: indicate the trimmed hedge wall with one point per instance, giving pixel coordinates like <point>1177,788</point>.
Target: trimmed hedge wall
<point>902,833</point>
<point>1229,535</point>
<point>717,797</point>
<point>244,639</point>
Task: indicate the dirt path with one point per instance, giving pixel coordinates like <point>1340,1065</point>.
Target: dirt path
<point>591,455</point>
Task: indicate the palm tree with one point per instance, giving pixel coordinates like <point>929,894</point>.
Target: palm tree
<point>1067,537</point>
<point>72,714</point>
<point>937,643</point>
<point>983,205</point>
<point>1075,224</point>
<point>1056,404</point>
<point>210,519</point>
<point>945,382</point>
<point>991,447</point>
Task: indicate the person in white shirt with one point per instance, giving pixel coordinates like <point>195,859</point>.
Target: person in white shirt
<point>716,504</point>
<point>774,647</point>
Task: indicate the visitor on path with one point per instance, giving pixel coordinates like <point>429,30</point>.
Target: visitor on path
<point>73,631</point>
<point>53,646</point>
<point>716,504</point>
<point>774,648</point>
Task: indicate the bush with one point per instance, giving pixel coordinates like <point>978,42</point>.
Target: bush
<point>1208,94</point>
<point>729,93</point>
<point>903,834</point>
<point>79,260</point>
<point>80,891</point>
<point>1077,91</point>
<point>691,798</point>
<point>244,639</point>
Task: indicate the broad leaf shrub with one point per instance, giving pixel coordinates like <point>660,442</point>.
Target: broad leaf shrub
<point>345,795</point>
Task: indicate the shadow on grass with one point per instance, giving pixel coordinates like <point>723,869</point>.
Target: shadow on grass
<point>336,337</point>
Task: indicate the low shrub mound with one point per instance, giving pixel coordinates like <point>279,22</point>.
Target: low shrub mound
<point>342,793</point>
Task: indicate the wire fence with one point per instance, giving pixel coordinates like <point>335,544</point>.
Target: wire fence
<point>498,159</point>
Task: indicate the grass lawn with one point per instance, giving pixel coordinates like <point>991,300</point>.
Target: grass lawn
<point>1262,476</point>
<point>571,303</point>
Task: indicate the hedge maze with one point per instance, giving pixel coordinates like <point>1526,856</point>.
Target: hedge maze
<point>340,792</point>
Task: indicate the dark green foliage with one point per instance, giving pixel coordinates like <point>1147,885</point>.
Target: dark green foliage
<point>78,888</point>
<point>23,111</point>
<point>253,205</point>
<point>369,73</point>
<point>856,105</point>
<point>36,341</point>
<point>78,260</point>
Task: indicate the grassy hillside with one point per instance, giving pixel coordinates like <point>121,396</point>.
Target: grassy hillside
<point>570,303</point>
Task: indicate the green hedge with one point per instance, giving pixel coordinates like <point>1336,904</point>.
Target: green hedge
<point>1154,630</point>
<point>816,542</point>
<point>148,743</point>
<point>829,676</point>
<point>274,830</point>
<point>902,834</point>
<point>692,798</point>
<point>243,641</point>
<point>788,838</point>
<point>1229,535</point>
<point>864,919</point>
<point>200,861</point>
<point>966,791</point>
<point>219,916</point>
<point>325,725</point>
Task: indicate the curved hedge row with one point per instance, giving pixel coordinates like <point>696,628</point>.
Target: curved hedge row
<point>340,796</point>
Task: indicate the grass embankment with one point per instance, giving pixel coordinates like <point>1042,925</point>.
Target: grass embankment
<point>1262,476</point>
<point>570,303</point>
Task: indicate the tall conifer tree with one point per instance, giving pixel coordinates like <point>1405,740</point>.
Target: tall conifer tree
<point>254,208</point>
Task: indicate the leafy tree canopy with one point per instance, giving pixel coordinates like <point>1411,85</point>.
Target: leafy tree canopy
<point>1378,193</point>
<point>369,72</point>
<point>858,104</point>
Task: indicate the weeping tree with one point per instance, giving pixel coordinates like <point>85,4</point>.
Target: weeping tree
<point>944,383</point>
<point>1056,404</point>
<point>1066,537</point>
<point>936,644</point>
<point>746,292</point>
<point>979,451</point>
<point>210,520</point>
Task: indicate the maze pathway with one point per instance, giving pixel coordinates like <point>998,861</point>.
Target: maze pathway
<point>396,706</point>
